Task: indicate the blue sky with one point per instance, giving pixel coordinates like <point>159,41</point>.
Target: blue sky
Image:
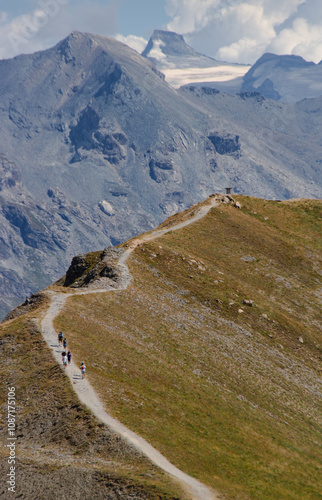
<point>141,17</point>
<point>231,30</point>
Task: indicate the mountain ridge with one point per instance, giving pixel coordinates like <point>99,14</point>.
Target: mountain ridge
<point>214,347</point>
<point>208,345</point>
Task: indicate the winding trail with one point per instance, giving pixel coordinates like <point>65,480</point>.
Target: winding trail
<point>86,392</point>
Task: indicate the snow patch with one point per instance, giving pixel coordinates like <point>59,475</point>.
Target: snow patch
<point>178,77</point>
<point>156,51</point>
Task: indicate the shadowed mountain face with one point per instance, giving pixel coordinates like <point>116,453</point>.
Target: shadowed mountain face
<point>96,147</point>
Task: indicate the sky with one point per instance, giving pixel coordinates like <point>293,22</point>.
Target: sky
<point>228,30</point>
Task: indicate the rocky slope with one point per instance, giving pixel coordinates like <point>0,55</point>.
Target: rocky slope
<point>96,147</point>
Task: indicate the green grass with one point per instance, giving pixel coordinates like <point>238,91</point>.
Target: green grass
<point>229,397</point>
<point>55,430</point>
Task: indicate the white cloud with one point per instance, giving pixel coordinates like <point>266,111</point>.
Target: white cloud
<point>189,15</point>
<point>302,39</point>
<point>137,43</point>
<point>242,30</point>
<point>51,21</point>
<point>246,48</point>
<point>156,51</point>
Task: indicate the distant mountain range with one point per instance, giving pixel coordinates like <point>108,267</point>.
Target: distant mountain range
<point>284,78</point>
<point>96,147</point>
<point>181,64</point>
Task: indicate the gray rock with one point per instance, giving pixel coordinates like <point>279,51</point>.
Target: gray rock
<point>90,124</point>
<point>248,258</point>
<point>224,145</point>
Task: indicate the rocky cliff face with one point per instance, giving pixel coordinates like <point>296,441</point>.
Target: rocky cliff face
<point>96,147</point>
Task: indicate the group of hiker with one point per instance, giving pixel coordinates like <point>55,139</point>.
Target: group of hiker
<point>67,357</point>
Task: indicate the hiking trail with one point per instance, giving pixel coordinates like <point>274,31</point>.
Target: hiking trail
<point>85,391</point>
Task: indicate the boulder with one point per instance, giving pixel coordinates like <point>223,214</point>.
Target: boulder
<point>249,303</point>
<point>106,208</point>
<point>248,258</point>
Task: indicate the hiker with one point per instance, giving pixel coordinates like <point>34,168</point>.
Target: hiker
<point>65,343</point>
<point>83,368</point>
<point>60,337</point>
<point>64,356</point>
<point>69,356</point>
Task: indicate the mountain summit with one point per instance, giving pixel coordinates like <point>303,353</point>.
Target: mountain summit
<point>167,48</point>
<point>182,64</point>
<point>286,78</point>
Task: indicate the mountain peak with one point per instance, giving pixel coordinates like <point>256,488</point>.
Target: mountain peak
<point>79,42</point>
<point>169,49</point>
<point>284,61</point>
<point>167,35</point>
<point>169,42</point>
<point>288,78</point>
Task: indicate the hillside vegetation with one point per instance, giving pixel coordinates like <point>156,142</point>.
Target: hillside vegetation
<point>212,353</point>
<point>62,450</point>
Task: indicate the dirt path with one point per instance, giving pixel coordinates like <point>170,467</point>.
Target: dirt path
<point>86,392</point>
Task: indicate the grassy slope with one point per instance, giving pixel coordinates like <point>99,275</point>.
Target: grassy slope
<point>230,397</point>
<point>62,450</point>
